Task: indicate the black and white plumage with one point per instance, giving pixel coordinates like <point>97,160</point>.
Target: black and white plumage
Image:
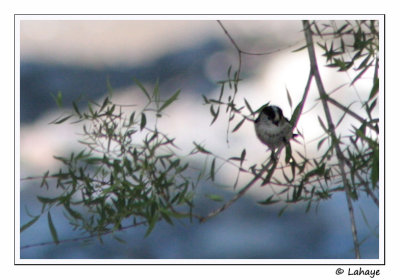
<point>272,128</point>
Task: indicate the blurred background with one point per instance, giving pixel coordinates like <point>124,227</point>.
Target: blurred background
<point>78,57</point>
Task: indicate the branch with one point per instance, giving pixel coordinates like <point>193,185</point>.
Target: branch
<point>331,126</point>
<point>77,239</point>
<point>240,51</point>
<point>350,112</point>
<point>273,162</point>
<point>244,189</point>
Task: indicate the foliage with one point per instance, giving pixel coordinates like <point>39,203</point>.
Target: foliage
<point>129,173</point>
<point>115,181</point>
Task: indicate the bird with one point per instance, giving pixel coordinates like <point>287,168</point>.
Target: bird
<point>272,128</point>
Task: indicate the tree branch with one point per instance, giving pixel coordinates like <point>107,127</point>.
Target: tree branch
<point>331,126</point>
<point>77,239</point>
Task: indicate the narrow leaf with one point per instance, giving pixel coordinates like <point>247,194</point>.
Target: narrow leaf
<point>140,85</point>
<point>248,107</point>
<point>229,72</point>
<point>58,99</point>
<point>289,98</point>
<point>47,199</point>
<point>105,102</point>
<point>212,170</point>
<point>375,89</point>
<point>268,201</point>
<point>322,124</point>
<point>120,240</point>
<point>295,113</point>
<point>201,149</point>
<point>301,48</point>
<point>156,89</point>
<point>169,101</point>
<point>44,182</point>
<point>52,229</point>
<point>375,168</point>
<point>215,197</point>
<point>214,114</point>
<point>143,121</point>
<point>151,226</point>
<point>238,125</point>
<point>28,224</point>
<point>58,120</point>
<point>282,210</point>
<point>242,156</point>
<point>75,106</point>
<point>321,142</point>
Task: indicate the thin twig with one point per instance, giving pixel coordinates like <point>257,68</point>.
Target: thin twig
<point>331,126</point>
<point>77,239</point>
<point>350,112</point>
<point>242,191</point>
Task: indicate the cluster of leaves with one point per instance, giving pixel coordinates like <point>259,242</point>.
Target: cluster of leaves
<point>299,177</point>
<point>127,174</point>
<point>355,45</point>
<point>350,43</point>
<point>344,47</point>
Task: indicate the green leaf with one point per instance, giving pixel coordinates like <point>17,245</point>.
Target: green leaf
<point>375,89</point>
<point>58,99</point>
<point>143,121</point>
<point>268,201</point>
<point>28,224</point>
<point>214,114</point>
<point>169,100</point>
<point>295,113</point>
<point>322,124</point>
<point>140,85</point>
<point>205,99</point>
<point>215,197</point>
<point>75,106</point>
<point>44,181</point>
<point>152,222</point>
<point>288,154</point>
<point>212,170</point>
<point>52,229</point>
<point>289,98</point>
<point>238,125</point>
<point>201,149</point>
<point>242,156</point>
<point>156,93</point>
<point>229,72</point>
<point>321,142</point>
<point>60,120</point>
<point>375,168</point>
<point>248,106</point>
<point>301,48</point>
<point>110,89</point>
<point>282,210</point>
<point>72,212</point>
<point>132,119</point>
<point>105,102</point>
<point>47,199</point>
<point>120,240</point>
<point>166,215</point>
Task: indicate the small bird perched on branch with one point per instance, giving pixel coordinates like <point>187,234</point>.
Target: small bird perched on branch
<point>272,128</point>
